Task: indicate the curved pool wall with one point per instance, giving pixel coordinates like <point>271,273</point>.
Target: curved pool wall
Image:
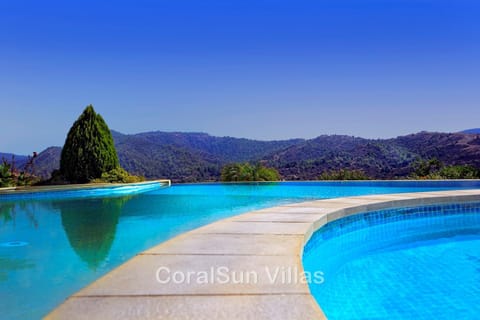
<point>402,263</point>
<point>258,240</point>
<point>71,241</point>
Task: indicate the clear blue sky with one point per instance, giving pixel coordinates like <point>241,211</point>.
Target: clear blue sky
<point>256,69</point>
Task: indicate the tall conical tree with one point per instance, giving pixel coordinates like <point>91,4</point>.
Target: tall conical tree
<point>89,150</point>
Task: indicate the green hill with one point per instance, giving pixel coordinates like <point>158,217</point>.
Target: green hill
<point>192,157</point>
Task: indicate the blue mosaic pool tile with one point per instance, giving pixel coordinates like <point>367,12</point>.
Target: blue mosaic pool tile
<point>404,263</point>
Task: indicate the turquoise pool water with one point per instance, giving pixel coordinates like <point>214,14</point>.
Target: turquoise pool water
<point>52,247</point>
<point>409,263</point>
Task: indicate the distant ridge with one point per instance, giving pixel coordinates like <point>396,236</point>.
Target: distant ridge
<point>193,157</point>
<point>474,131</point>
<point>19,159</point>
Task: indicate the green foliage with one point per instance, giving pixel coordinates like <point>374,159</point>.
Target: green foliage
<point>118,175</point>
<point>233,172</point>
<point>6,177</point>
<point>434,169</point>
<point>247,172</point>
<point>24,179</point>
<point>459,172</point>
<point>10,177</point>
<point>343,174</point>
<point>262,173</point>
<point>89,150</point>
<point>424,168</point>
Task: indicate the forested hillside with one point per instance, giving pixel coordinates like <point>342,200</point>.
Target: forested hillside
<point>189,157</point>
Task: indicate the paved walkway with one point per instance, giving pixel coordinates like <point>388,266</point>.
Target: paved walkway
<point>265,245</point>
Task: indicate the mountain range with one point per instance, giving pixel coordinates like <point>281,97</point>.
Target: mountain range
<point>193,157</point>
<point>473,131</point>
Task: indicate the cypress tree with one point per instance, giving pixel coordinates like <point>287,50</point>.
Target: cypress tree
<point>89,150</point>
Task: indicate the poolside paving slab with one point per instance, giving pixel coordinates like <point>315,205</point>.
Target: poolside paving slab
<point>258,242</point>
<point>249,274</point>
<point>234,244</point>
<point>292,209</point>
<point>279,217</point>
<point>221,307</point>
<point>279,228</point>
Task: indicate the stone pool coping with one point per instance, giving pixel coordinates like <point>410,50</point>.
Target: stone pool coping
<point>268,239</point>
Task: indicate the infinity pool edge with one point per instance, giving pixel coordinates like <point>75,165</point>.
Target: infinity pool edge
<point>12,193</point>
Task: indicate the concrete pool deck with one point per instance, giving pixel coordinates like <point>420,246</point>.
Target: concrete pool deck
<point>267,243</point>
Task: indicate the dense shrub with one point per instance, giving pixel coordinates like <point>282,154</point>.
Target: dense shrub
<point>434,169</point>
<point>10,176</point>
<point>6,177</point>
<point>425,168</point>
<point>118,175</point>
<point>459,172</point>
<point>247,172</point>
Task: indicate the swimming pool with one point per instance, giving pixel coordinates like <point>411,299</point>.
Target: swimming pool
<point>407,263</point>
<point>64,244</point>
